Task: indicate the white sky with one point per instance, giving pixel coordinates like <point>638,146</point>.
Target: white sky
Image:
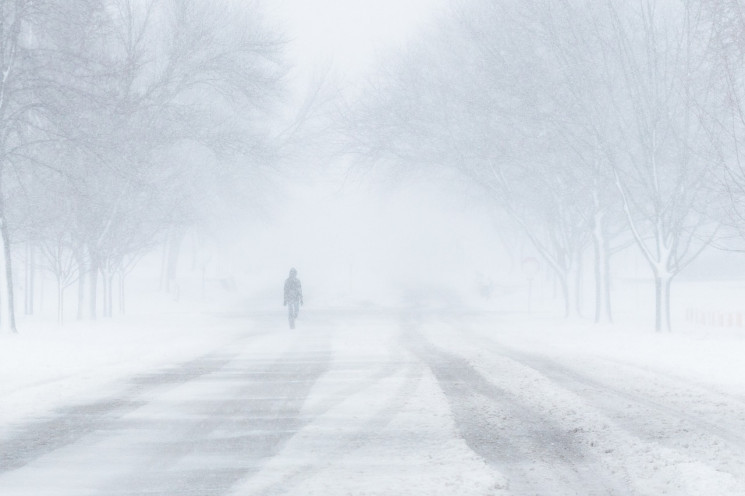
<point>348,33</point>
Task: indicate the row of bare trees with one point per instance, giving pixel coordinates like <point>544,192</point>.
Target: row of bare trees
<point>594,124</point>
<point>121,123</point>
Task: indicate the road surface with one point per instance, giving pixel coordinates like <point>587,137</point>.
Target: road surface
<point>393,403</point>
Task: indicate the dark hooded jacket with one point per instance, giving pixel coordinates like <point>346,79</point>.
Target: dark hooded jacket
<point>293,289</point>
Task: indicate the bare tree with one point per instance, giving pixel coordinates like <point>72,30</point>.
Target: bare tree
<point>140,113</point>
<point>466,99</point>
<point>583,118</point>
<point>28,65</point>
<point>724,117</point>
<point>660,56</point>
<point>16,104</point>
<point>59,255</point>
<point>170,122</point>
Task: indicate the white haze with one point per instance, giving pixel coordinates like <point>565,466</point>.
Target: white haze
<point>349,35</point>
<point>355,242</point>
<point>432,354</point>
<point>359,238</point>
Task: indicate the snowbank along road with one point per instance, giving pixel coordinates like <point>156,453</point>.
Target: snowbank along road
<point>386,404</point>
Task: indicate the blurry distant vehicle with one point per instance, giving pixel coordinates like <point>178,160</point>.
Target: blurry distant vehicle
<point>293,296</point>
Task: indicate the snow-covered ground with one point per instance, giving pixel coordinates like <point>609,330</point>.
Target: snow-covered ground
<point>665,410</point>
<point>46,366</point>
<point>387,401</point>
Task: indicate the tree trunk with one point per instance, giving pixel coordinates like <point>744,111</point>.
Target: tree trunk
<point>121,292</point>
<point>42,294</point>
<point>110,295</point>
<point>668,283</point>
<point>107,296</point>
<point>566,293</point>
<point>599,279</point>
<point>657,303</point>
<point>602,254</point>
<point>60,301</point>
<point>662,302</point>
<point>80,259</point>
<point>93,288</point>
<point>9,319</point>
<point>30,278</point>
<point>578,285</point>
<point>607,282</point>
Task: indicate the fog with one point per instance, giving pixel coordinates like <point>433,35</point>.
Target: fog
<point>457,247</point>
<point>358,242</point>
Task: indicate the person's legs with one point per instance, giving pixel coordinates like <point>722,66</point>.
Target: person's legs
<point>291,313</point>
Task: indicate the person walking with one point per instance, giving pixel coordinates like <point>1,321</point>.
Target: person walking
<point>293,296</point>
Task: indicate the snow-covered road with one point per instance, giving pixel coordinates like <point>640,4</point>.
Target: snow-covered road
<point>387,403</point>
